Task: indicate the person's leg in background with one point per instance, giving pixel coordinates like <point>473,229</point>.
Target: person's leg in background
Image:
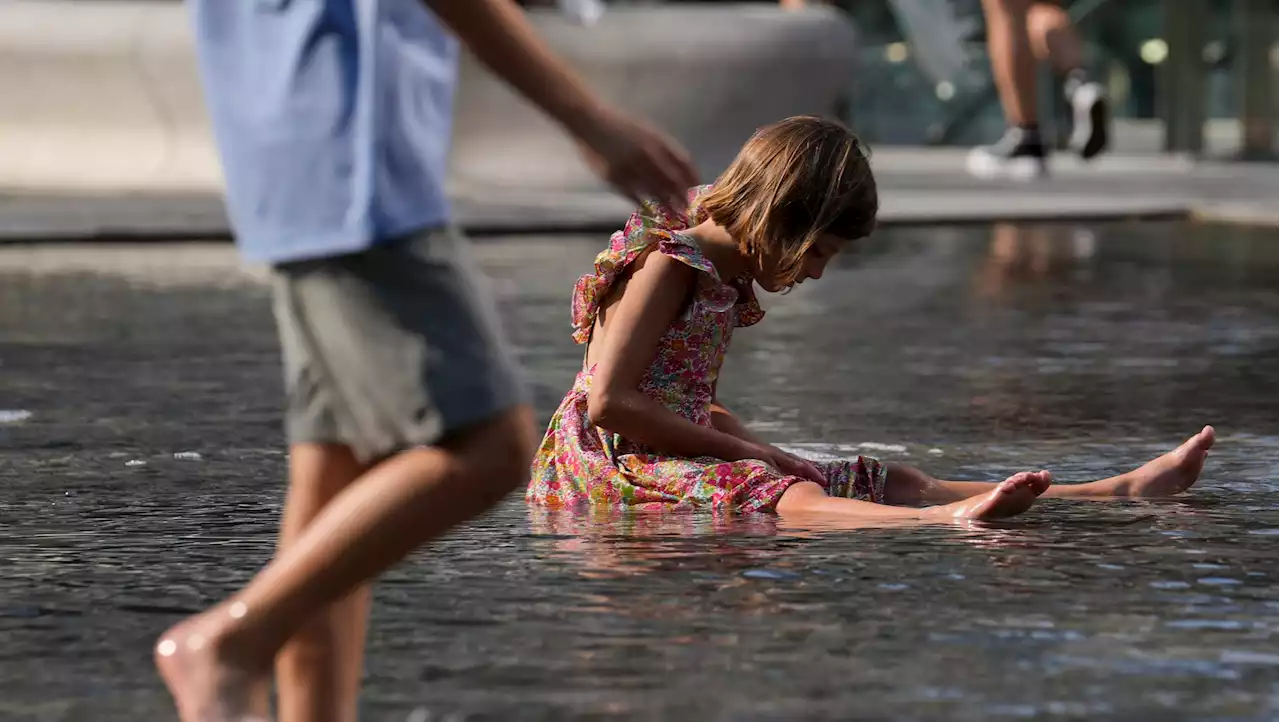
<point>1055,40</point>
<point>1020,152</point>
<point>1020,33</point>
<point>1013,62</point>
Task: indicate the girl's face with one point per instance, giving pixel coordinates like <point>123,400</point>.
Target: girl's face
<point>812,265</point>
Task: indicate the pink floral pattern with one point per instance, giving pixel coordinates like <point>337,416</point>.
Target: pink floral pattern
<point>579,464</point>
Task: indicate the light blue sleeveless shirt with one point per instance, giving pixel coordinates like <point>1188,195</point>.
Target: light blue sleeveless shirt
<point>332,118</point>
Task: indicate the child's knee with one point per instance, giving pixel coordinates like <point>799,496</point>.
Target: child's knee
<point>799,497</point>
<point>1045,18</point>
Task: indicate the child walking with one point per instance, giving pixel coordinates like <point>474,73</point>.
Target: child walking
<point>406,414</point>
<point>643,426</point>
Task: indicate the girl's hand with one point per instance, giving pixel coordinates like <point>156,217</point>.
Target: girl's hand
<point>790,464</point>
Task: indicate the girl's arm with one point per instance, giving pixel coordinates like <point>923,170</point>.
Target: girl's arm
<point>724,420</point>
<point>655,294</point>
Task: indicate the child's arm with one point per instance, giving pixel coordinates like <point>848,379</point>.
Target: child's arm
<point>724,420</point>
<point>636,159</point>
<point>655,294</point>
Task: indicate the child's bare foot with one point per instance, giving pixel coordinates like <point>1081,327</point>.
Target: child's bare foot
<point>1170,474</point>
<point>206,687</point>
<point>1012,497</point>
<point>1040,480</point>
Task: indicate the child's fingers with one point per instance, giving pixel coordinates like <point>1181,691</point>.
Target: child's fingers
<point>802,468</point>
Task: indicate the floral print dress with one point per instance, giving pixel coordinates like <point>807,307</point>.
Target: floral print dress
<point>579,464</point>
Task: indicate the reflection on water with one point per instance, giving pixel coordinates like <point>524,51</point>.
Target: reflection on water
<point>141,469</point>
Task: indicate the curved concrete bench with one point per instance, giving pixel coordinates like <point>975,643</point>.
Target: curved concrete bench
<point>104,96</point>
<point>101,96</point>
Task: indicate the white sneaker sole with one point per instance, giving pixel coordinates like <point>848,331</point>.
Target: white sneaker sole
<point>981,164</point>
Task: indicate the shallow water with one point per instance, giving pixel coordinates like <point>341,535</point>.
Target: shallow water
<point>141,468</point>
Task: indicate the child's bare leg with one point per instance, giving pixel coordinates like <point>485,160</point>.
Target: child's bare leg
<point>908,485</point>
<point>318,671</point>
<point>1167,475</point>
<point>211,661</point>
<point>1008,498</point>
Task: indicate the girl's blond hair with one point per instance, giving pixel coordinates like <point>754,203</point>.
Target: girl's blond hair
<point>792,182</point>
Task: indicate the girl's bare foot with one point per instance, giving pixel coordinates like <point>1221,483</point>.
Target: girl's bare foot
<point>1013,496</point>
<point>206,686</point>
<point>1170,474</point>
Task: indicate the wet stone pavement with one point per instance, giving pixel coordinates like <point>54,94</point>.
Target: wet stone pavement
<point>141,475</point>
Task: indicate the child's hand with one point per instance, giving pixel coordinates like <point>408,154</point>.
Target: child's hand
<point>638,160</point>
<point>792,465</point>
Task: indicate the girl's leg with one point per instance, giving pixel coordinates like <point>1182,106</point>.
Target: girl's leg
<point>1172,473</point>
<point>213,662</point>
<point>1011,496</point>
<point>318,672</point>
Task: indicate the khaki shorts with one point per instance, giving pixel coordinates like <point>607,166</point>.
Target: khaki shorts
<point>390,348</point>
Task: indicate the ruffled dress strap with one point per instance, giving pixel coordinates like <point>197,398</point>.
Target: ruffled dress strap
<point>653,227</point>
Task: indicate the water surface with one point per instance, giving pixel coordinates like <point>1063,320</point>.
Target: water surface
<point>141,477</point>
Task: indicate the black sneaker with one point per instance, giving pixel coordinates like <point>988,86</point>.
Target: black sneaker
<point>1019,154</point>
<point>1091,118</point>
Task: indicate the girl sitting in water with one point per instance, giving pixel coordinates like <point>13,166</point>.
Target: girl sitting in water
<point>642,425</point>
